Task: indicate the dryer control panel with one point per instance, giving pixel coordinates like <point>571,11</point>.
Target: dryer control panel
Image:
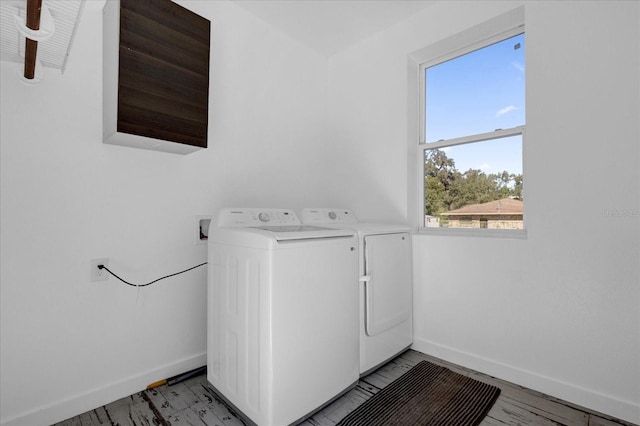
<point>253,217</point>
<point>328,216</point>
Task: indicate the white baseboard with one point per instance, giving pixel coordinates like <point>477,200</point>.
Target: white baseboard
<point>75,405</point>
<point>593,400</point>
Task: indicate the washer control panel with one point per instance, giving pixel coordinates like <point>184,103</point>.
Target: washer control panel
<point>252,217</point>
<point>328,216</point>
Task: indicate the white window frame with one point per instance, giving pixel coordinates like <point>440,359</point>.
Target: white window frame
<point>495,30</point>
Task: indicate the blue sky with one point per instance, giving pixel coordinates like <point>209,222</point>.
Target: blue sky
<point>477,93</point>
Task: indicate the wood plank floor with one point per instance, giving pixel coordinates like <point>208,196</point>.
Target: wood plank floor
<point>193,403</point>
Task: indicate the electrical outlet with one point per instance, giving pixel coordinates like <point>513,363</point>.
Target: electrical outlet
<point>98,274</point>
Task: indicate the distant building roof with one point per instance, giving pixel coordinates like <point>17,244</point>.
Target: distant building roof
<point>506,206</point>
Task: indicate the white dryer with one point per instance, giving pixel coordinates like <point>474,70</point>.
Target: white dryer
<point>282,338</point>
<point>385,295</point>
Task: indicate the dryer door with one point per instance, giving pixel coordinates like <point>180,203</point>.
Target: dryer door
<point>388,289</point>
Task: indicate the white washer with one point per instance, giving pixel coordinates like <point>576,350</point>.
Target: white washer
<point>282,337</point>
<point>385,299</point>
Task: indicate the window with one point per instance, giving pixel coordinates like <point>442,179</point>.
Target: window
<point>471,132</point>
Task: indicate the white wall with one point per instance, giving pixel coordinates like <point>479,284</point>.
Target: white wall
<point>560,310</point>
<point>69,345</point>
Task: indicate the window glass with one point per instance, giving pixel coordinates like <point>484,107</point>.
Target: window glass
<point>473,176</point>
<point>477,92</point>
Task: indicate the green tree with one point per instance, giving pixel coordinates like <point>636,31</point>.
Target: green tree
<point>508,184</point>
<point>472,187</point>
<point>448,189</point>
<point>439,174</point>
<point>516,192</point>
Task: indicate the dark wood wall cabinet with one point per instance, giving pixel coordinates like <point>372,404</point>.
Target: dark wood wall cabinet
<point>155,76</point>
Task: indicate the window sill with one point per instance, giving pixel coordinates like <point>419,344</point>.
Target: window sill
<point>518,234</point>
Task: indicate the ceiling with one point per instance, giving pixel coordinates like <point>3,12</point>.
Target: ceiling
<point>329,26</point>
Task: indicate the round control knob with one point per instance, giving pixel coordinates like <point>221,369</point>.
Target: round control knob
<point>264,217</point>
<point>333,215</point>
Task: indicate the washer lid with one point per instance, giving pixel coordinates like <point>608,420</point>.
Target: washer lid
<point>304,232</point>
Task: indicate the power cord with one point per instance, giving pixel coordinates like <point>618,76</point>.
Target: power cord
<point>154,281</point>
